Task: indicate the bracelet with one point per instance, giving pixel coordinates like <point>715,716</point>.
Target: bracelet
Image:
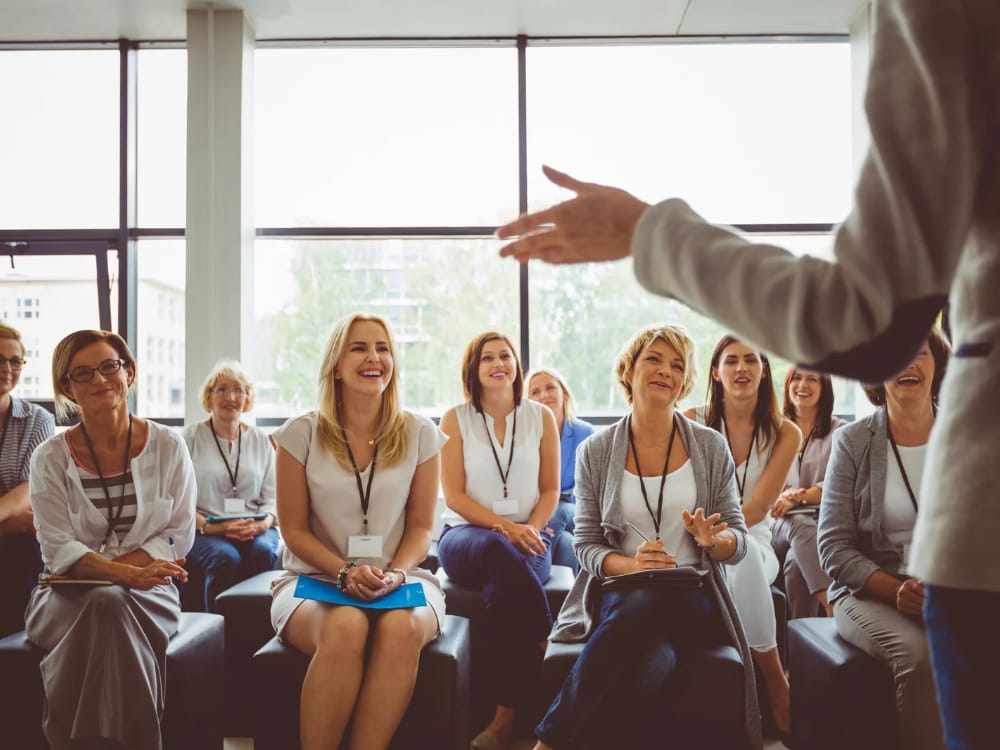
<point>401,572</point>
<point>342,573</point>
<point>711,549</point>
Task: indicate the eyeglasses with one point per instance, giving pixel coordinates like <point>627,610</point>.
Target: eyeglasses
<point>107,368</point>
<point>234,392</point>
<point>16,363</point>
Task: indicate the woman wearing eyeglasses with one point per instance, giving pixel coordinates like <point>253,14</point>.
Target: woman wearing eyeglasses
<point>25,426</point>
<point>114,501</point>
<point>234,468</point>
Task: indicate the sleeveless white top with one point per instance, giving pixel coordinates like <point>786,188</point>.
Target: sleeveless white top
<point>482,478</point>
<point>680,493</point>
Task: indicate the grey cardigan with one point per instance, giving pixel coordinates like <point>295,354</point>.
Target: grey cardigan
<point>600,466</point>
<point>851,543</point>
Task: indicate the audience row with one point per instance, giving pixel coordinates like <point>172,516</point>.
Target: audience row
<point>724,497</point>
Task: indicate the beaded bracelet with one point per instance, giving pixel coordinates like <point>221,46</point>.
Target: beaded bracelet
<point>342,573</point>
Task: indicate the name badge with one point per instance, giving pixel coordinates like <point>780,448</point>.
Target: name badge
<point>505,507</point>
<point>236,505</point>
<point>364,546</point>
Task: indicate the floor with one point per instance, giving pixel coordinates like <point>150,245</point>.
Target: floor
<point>246,743</point>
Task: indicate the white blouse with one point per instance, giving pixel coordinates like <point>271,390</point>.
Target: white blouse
<point>482,477</point>
<point>898,513</point>
<point>255,480</point>
<point>679,494</point>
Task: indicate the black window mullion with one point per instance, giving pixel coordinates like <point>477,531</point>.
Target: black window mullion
<point>522,191</point>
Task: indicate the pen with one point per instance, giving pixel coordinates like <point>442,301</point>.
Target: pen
<point>173,549</point>
<point>644,537</point>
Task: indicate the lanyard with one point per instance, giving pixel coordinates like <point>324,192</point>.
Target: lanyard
<point>364,494</point>
<point>899,463</point>
<point>496,457</point>
<point>663,477</point>
<point>233,475</point>
<point>741,485</point>
<point>802,452</point>
<point>6,424</point>
<point>112,521</point>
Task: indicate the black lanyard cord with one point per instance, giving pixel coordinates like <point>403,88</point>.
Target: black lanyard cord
<point>112,520</point>
<point>364,494</point>
<point>663,477</point>
<point>741,485</point>
<point>496,456</point>
<point>803,451</point>
<point>233,475</point>
<point>899,463</point>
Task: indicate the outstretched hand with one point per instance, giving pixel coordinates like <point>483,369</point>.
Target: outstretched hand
<point>704,530</point>
<point>596,225</point>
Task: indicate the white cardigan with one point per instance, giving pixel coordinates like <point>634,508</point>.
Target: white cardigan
<point>69,525</point>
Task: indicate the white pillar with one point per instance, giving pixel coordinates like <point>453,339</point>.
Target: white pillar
<point>220,225</point>
<point>861,52</point>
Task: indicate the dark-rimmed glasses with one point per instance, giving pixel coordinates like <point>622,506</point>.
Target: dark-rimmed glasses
<point>16,363</point>
<point>107,368</point>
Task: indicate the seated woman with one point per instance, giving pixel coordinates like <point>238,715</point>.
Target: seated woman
<point>743,407</point>
<point>808,401</point>
<point>357,485</point>
<point>546,386</point>
<point>114,500</point>
<point>500,476</point>
<point>234,466</point>
<point>870,503</point>
<point>633,517</point>
<point>25,426</point>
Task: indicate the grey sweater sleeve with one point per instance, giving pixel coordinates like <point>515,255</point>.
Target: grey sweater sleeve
<point>896,253</point>
<point>838,535</point>
<point>589,541</point>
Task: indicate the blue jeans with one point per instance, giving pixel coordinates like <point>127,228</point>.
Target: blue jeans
<point>965,653</point>
<point>620,682</point>
<point>20,564</point>
<point>220,563</point>
<point>562,525</point>
<point>517,616</point>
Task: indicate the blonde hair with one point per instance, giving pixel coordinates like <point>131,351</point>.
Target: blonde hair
<point>670,333</point>
<point>62,358</point>
<point>391,434</point>
<point>7,332</point>
<point>568,413</point>
<point>227,371</point>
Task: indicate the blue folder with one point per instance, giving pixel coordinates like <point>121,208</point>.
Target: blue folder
<point>406,596</point>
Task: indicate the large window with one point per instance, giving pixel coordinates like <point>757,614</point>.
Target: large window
<point>426,141</point>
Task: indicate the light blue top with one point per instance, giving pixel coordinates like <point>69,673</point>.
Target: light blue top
<point>573,433</point>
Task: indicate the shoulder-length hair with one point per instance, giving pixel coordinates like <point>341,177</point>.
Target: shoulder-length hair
<point>391,434</point>
<point>62,358</point>
<point>824,407</point>
<point>937,342</point>
<point>227,371</point>
<point>471,386</point>
<point>568,412</point>
<point>766,416</point>
<point>674,335</point>
<point>9,332</point>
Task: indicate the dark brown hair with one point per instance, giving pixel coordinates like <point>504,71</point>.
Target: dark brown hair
<point>937,342</point>
<point>766,416</point>
<point>470,369</point>
<point>824,408</point>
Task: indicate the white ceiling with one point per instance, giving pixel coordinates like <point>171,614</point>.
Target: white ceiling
<point>63,20</point>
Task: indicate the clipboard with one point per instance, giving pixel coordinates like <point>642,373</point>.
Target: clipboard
<point>235,517</point>
<point>682,577</point>
<point>44,581</point>
<point>407,596</point>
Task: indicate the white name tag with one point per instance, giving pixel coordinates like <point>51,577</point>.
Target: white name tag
<point>505,507</point>
<point>236,505</point>
<point>364,546</point>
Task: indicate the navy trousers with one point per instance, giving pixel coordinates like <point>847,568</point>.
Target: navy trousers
<point>216,563</point>
<point>20,564</point>
<point>517,616</point>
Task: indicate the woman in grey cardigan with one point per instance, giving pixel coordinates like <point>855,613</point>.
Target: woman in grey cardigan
<point>632,516</point>
<point>870,505</point>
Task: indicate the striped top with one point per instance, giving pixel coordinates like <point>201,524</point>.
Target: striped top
<point>92,488</point>
<point>30,425</point>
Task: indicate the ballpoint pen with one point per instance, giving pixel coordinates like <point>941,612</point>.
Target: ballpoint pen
<point>636,530</point>
<point>173,549</point>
